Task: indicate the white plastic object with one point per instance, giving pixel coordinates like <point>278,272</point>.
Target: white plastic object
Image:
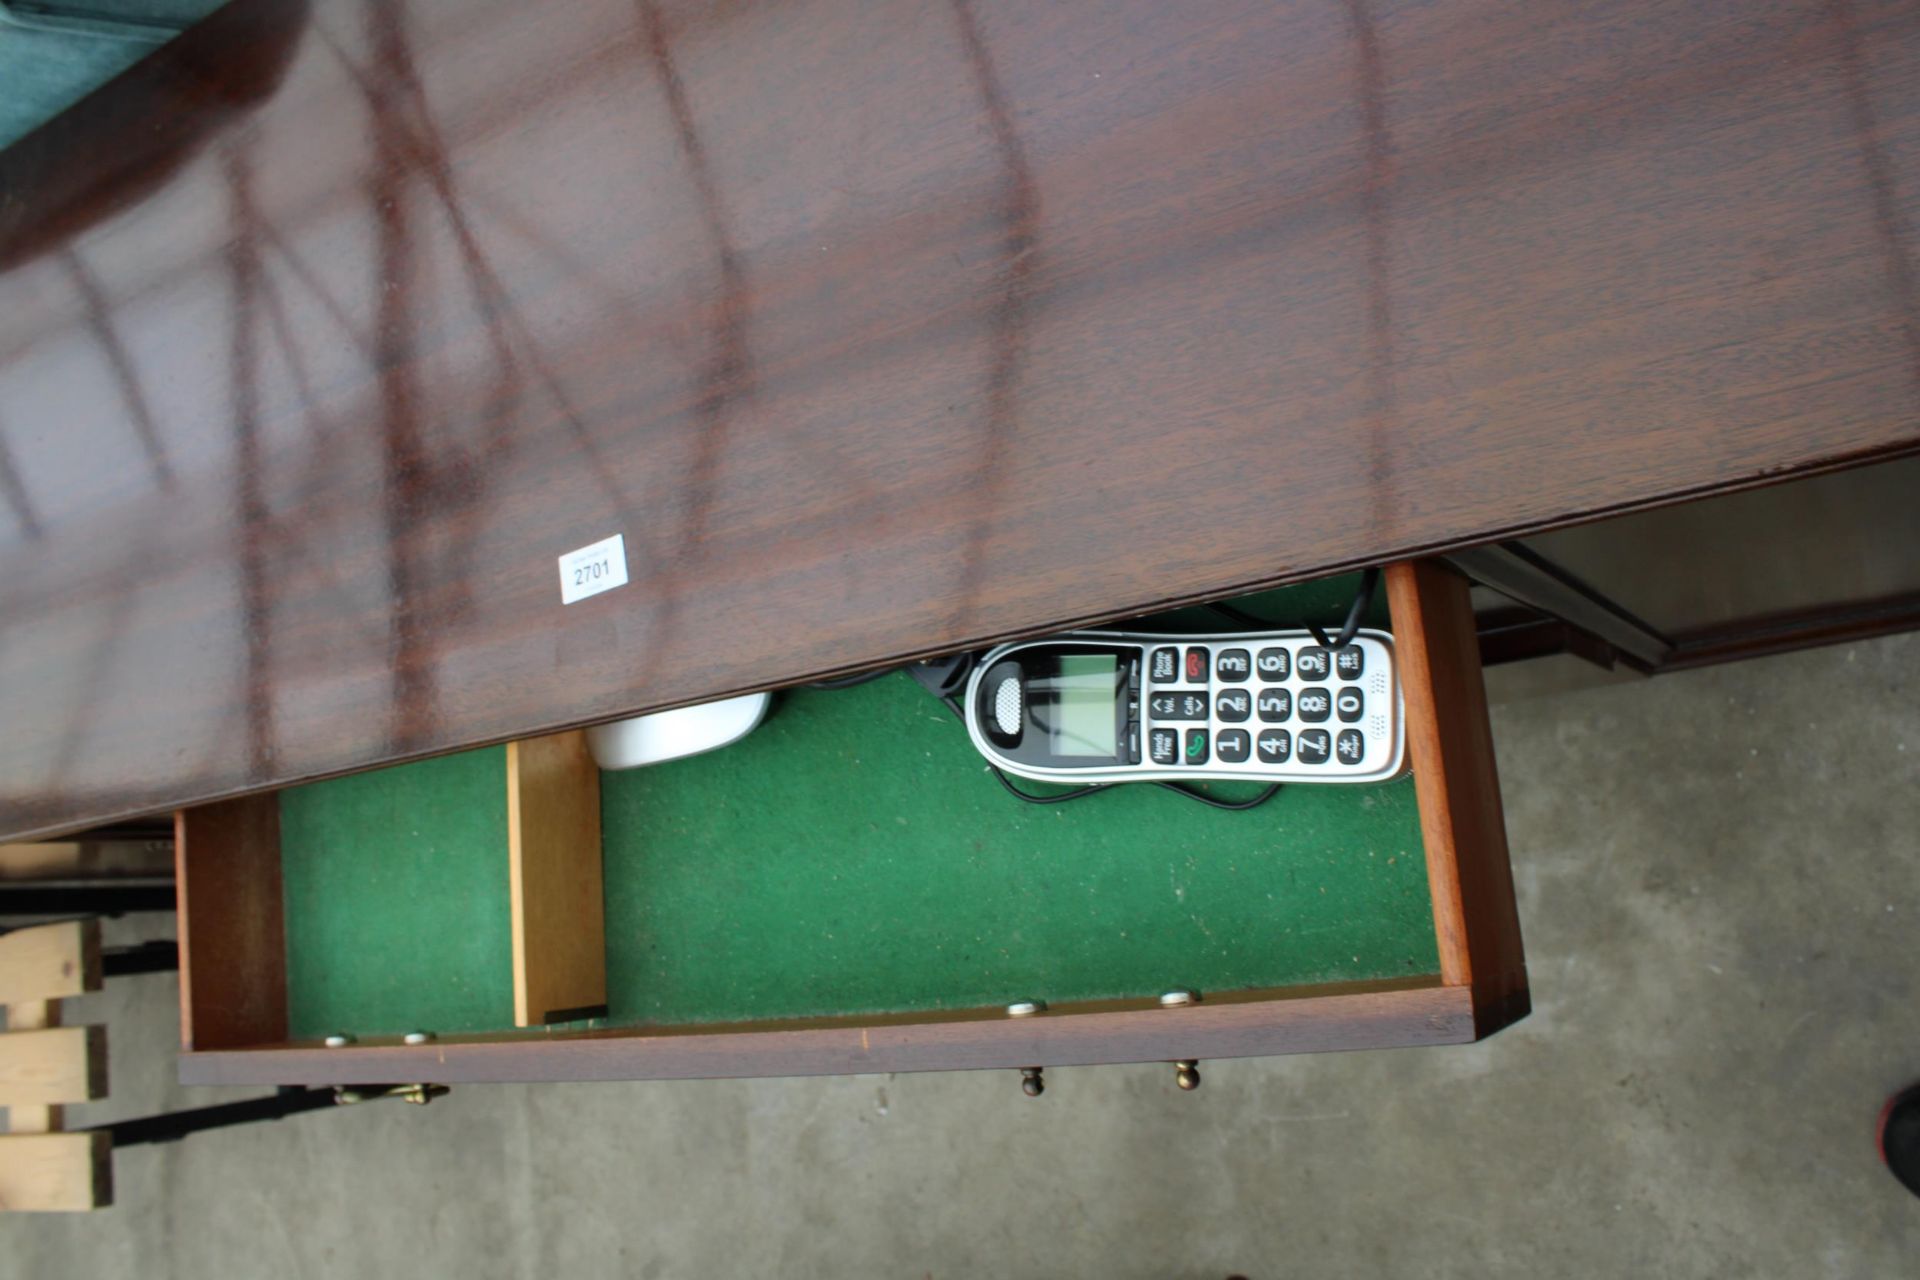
<point>669,735</point>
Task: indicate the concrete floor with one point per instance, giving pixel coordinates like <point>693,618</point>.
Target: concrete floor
<point>1720,888</point>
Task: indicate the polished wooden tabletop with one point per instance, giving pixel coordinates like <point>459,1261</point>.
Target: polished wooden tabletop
<point>875,327</point>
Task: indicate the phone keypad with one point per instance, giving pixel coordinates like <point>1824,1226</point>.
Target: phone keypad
<point>1232,701</point>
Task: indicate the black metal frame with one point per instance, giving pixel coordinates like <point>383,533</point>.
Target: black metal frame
<point>1557,612</point>
<point>289,1100</point>
<point>102,897</point>
<point>1524,575</point>
<point>162,955</point>
<point>172,1126</point>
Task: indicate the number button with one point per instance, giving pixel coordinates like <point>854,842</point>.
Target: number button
<point>1315,746</point>
<point>1275,746</point>
<point>1165,745</point>
<point>1315,705</point>
<point>1232,665</point>
<point>1166,665</point>
<point>1351,747</point>
<point>1313,663</point>
<point>1350,705</point>
<point>1196,746</point>
<point>1196,666</point>
<point>1349,661</point>
<point>1275,705</point>
<point>1274,665</point>
<point>1232,705</point>
<point>1232,745</point>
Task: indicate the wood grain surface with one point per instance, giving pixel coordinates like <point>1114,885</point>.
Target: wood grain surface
<point>554,880</point>
<point>232,924</point>
<point>52,1066</point>
<point>1476,919</point>
<point>877,329</point>
<point>1358,1015</point>
<point>49,961</point>
<point>56,1172</point>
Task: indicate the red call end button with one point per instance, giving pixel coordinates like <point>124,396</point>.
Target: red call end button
<point>1197,666</point>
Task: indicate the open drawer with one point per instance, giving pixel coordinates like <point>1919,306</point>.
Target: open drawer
<point>895,941</point>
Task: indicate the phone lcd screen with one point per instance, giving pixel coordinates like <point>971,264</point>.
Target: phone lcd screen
<point>1082,715</point>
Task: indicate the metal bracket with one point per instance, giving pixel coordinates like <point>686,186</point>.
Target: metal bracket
<point>1523,574</point>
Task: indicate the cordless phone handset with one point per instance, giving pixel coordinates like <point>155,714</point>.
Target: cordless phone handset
<point>1119,706</point>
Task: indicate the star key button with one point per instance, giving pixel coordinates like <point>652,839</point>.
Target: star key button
<point>1350,746</point>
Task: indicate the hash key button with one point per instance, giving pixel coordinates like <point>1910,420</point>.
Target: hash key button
<point>1349,661</point>
<point>1350,705</point>
<point>1315,705</point>
<point>1165,745</point>
<point>1350,746</point>
<point>1232,746</point>
<point>1275,746</point>
<point>1313,663</point>
<point>1315,746</point>
<point>1233,705</point>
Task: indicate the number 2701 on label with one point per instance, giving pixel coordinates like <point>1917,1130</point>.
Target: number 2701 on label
<point>593,569</point>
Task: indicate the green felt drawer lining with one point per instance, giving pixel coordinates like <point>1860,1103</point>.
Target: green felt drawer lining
<point>851,856</point>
